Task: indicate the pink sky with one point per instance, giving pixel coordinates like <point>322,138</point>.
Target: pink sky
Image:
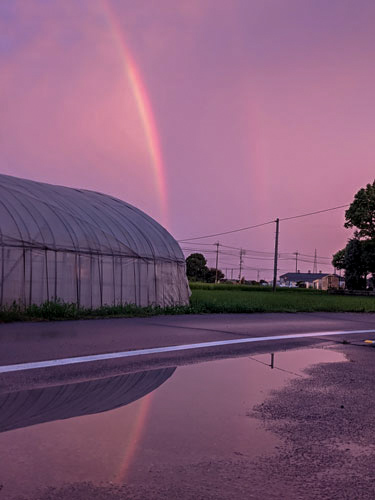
<point>263,109</point>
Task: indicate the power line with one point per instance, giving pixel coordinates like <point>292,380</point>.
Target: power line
<point>263,224</point>
<point>265,258</point>
<point>314,213</point>
<point>201,243</point>
<point>227,232</point>
<point>312,256</point>
<point>248,250</point>
<point>282,255</point>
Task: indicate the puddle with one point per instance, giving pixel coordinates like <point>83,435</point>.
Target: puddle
<point>118,429</point>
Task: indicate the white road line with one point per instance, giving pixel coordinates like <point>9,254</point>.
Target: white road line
<point>157,350</point>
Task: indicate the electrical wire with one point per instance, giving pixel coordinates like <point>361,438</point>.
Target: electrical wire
<point>263,224</point>
<point>259,254</point>
<point>262,258</point>
<point>289,255</point>
<point>227,232</point>
<point>314,213</point>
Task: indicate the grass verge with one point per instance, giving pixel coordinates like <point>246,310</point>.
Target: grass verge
<point>52,311</point>
<point>204,299</point>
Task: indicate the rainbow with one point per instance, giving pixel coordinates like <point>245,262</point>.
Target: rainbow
<point>144,109</point>
<point>135,436</point>
<point>153,145</point>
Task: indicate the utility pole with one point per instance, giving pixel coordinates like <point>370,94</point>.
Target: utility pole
<point>315,268</point>
<point>258,275</point>
<point>241,262</point>
<point>217,260</point>
<point>231,273</point>
<point>296,254</point>
<point>276,255</point>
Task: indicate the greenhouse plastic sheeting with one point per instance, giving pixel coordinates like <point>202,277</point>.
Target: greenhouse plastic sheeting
<point>83,247</point>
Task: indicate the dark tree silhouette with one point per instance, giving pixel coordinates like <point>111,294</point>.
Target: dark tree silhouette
<point>361,213</point>
<point>358,257</point>
<point>196,267</point>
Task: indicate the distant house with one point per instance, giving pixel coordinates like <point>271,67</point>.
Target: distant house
<point>292,279</point>
<point>328,282</point>
<point>320,281</point>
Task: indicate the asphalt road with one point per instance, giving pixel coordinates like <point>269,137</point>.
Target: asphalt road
<point>323,422</point>
<point>42,341</point>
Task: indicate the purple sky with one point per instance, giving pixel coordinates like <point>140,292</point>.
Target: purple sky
<point>264,109</point>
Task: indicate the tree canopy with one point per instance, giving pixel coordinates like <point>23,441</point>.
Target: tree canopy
<point>361,213</point>
<point>358,257</point>
<point>196,267</point>
<point>197,270</point>
<point>355,265</point>
<point>211,275</point>
<point>338,260</point>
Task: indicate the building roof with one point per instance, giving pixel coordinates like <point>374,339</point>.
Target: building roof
<point>310,277</point>
<point>47,217</point>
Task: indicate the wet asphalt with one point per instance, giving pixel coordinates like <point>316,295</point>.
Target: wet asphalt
<point>39,341</point>
<point>324,422</point>
<point>23,342</point>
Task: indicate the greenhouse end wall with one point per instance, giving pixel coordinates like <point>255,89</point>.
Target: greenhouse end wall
<point>82,247</point>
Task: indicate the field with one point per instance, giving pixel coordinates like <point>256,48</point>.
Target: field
<point>205,298</point>
<point>247,299</point>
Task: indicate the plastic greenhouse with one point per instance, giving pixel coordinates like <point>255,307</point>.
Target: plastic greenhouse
<point>83,247</point>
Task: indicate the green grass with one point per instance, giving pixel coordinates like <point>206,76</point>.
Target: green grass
<point>284,300</point>
<point>205,299</point>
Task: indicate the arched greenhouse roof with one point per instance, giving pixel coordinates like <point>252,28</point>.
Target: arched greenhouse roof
<point>44,216</point>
